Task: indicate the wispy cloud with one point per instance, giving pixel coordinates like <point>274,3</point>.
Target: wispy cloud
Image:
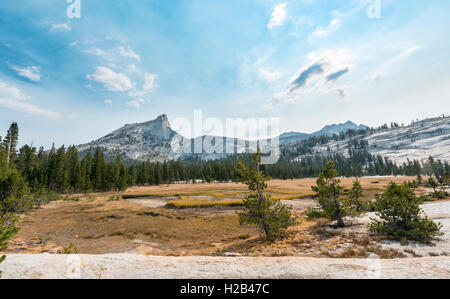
<point>268,75</point>
<point>112,81</point>
<point>321,32</point>
<point>128,52</point>
<point>32,73</point>
<point>135,103</point>
<point>318,76</point>
<point>388,65</point>
<point>278,16</point>
<point>114,54</point>
<point>13,98</point>
<point>61,27</point>
<point>107,55</point>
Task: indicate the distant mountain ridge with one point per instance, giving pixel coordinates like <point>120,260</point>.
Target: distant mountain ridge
<point>293,137</point>
<point>156,141</point>
<point>417,141</point>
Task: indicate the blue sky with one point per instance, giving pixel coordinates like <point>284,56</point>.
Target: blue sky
<point>310,63</point>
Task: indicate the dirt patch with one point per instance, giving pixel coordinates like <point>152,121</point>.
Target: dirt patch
<point>152,202</point>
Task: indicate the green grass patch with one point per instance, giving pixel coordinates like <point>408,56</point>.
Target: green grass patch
<point>202,203</point>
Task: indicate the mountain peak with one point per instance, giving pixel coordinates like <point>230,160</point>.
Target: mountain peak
<point>163,120</point>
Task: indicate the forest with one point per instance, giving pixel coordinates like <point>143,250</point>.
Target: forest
<point>64,171</point>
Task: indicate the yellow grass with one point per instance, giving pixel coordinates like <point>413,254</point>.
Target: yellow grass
<point>298,187</point>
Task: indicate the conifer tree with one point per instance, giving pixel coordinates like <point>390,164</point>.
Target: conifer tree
<point>10,142</point>
<point>12,189</point>
<point>330,195</point>
<point>98,170</point>
<point>268,214</point>
<point>401,216</point>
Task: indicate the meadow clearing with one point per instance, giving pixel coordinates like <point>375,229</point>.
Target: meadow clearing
<point>182,220</point>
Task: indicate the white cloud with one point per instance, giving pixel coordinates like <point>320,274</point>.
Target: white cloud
<point>122,76</point>
<point>32,73</point>
<point>108,102</point>
<point>73,44</point>
<point>13,98</point>
<point>322,32</point>
<point>135,103</point>
<point>138,95</point>
<point>10,91</point>
<point>268,75</point>
<point>99,52</point>
<point>113,81</point>
<point>128,52</point>
<point>115,54</point>
<point>278,16</point>
<point>61,27</point>
<point>388,65</point>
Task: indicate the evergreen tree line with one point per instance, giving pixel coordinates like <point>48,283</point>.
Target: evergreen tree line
<point>64,171</point>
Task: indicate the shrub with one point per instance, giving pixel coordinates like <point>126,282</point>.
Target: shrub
<point>75,198</point>
<point>72,249</point>
<point>45,196</point>
<point>14,195</point>
<point>115,198</point>
<point>413,184</point>
<point>314,213</point>
<point>426,198</point>
<point>440,194</point>
<point>7,231</point>
<point>401,216</point>
<point>12,190</point>
<point>420,180</point>
<point>432,183</point>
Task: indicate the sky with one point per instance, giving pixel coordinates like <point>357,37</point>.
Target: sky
<point>71,78</point>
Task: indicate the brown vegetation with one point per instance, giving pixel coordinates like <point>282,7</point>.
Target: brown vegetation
<point>97,224</point>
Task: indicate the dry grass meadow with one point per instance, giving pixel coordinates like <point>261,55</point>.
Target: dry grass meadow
<point>154,220</point>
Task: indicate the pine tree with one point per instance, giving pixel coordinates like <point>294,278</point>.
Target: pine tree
<point>98,170</point>
<point>260,209</point>
<point>157,174</point>
<point>10,142</point>
<point>401,216</point>
<point>12,189</point>
<point>86,167</point>
<point>355,194</point>
<point>329,195</point>
<point>120,175</point>
<point>73,169</point>
<point>60,170</point>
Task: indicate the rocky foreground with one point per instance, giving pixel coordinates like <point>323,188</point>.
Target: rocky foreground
<point>129,266</point>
